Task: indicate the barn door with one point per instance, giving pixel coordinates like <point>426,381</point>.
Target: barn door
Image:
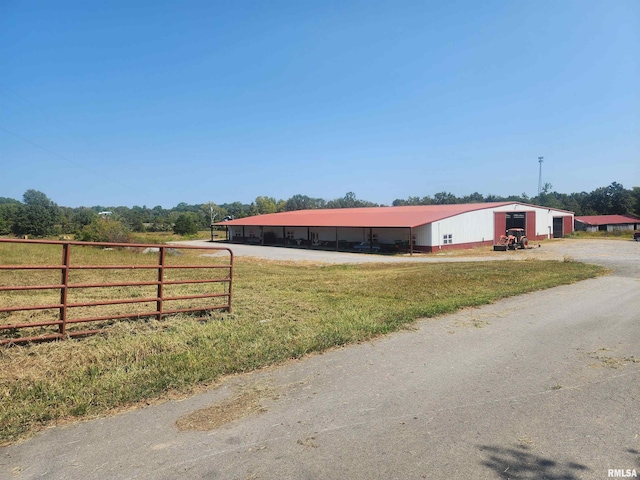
<point>499,225</point>
<point>530,228</point>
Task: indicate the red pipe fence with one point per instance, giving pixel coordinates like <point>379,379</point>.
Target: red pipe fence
<point>174,283</point>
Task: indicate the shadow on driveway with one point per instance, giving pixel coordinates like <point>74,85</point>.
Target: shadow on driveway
<point>518,463</point>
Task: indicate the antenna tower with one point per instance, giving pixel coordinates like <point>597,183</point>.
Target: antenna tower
<point>540,160</point>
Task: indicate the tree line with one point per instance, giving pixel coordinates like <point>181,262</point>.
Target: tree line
<point>39,216</point>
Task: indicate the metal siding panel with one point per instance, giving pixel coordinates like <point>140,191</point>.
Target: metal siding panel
<point>423,235</point>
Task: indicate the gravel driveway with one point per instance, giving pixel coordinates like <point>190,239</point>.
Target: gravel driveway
<point>618,254</point>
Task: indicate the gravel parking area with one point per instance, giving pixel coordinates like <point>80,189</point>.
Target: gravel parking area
<point>620,255</point>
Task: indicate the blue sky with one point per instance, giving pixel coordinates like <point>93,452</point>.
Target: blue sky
<point>156,103</point>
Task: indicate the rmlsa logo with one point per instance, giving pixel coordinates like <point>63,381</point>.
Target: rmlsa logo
<point>621,473</point>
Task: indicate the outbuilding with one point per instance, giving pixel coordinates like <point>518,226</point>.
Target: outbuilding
<point>424,228</point>
<point>607,223</point>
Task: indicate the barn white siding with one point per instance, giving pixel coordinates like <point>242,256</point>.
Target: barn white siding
<point>478,226</point>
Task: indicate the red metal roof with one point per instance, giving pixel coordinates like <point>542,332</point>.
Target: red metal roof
<point>399,217</point>
<point>607,219</point>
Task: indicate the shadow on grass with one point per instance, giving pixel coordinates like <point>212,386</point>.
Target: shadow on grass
<point>520,464</point>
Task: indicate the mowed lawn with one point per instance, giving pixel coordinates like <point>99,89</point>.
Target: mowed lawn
<point>280,311</point>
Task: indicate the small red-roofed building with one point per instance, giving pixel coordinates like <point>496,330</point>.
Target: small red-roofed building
<point>607,223</point>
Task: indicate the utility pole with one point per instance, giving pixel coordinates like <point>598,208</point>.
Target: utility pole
<point>540,160</point>
<point>213,217</point>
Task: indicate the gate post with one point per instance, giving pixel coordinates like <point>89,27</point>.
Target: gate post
<point>66,255</point>
<point>160,282</point>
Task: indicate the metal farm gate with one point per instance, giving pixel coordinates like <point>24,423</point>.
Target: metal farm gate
<point>59,289</point>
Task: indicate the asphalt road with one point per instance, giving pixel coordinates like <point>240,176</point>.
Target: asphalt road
<point>540,386</point>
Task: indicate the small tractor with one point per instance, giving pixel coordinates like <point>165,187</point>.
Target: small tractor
<point>513,240</point>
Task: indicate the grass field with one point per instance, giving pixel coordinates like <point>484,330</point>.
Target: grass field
<point>281,311</point>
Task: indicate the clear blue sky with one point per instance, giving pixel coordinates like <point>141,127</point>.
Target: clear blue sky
<point>155,102</point>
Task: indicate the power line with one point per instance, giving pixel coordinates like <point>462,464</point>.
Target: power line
<point>95,172</point>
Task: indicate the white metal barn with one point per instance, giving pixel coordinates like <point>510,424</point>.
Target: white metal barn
<point>425,228</point>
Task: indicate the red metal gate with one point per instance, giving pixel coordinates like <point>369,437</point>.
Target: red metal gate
<point>211,289</point>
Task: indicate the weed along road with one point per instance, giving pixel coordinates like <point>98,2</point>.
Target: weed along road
<point>540,386</point>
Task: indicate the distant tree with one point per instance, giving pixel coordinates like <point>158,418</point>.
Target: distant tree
<point>211,211</point>
<point>107,229</point>
<point>635,195</point>
<point>6,219</point>
<point>186,224</point>
<point>444,198</point>
<point>475,197</point>
<point>237,209</point>
<point>263,205</point>
<point>349,201</point>
<point>413,201</point>
<point>303,202</point>
<point>81,218</point>
<point>493,198</point>
<point>37,216</point>
<point>182,207</point>
<point>611,200</point>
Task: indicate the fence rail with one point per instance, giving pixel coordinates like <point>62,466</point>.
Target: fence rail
<point>51,319</point>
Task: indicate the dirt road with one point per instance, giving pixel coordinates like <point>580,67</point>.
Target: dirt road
<point>540,386</point>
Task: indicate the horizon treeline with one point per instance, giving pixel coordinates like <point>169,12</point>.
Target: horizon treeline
<point>39,216</point>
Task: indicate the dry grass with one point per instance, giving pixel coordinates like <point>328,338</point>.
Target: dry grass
<point>281,311</point>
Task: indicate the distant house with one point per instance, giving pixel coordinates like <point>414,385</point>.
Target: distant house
<point>607,223</point>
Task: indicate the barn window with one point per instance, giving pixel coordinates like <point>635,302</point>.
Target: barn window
<point>290,234</point>
<point>447,238</point>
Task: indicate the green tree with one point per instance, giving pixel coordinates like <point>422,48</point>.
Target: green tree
<point>635,195</point>
<point>37,216</point>
<point>81,218</point>
<point>237,209</point>
<point>444,198</point>
<point>303,202</point>
<point>8,211</point>
<point>611,200</point>
<point>349,201</point>
<point>109,230</point>
<point>186,224</point>
<point>264,205</point>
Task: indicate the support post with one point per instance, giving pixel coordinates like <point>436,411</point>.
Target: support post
<point>411,241</point>
<point>370,240</point>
